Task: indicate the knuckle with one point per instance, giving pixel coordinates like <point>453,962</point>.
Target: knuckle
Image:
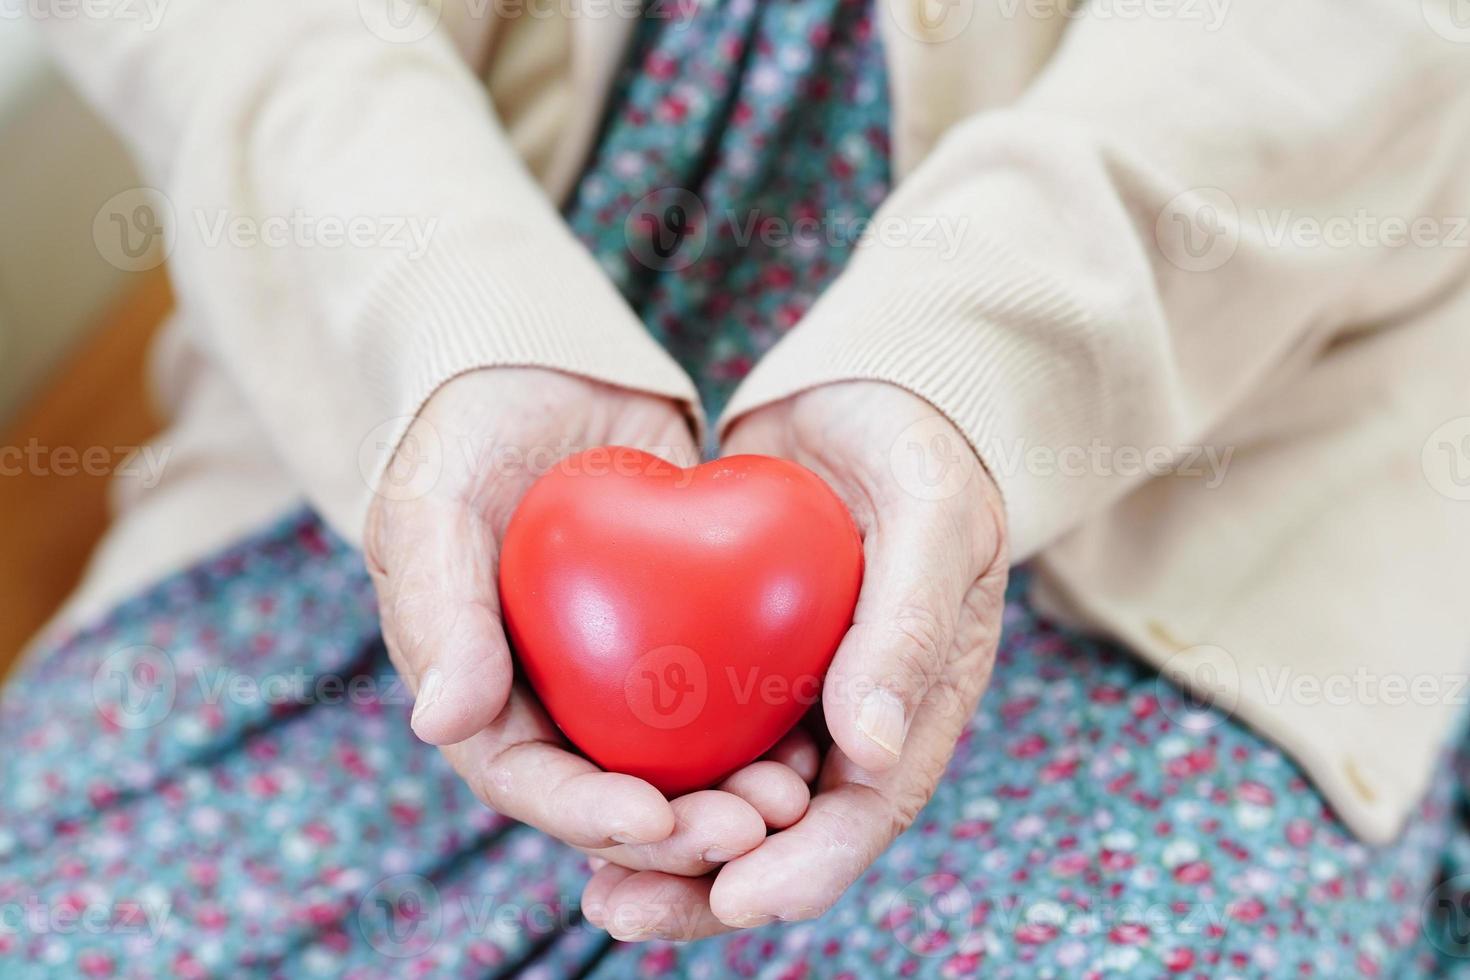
<point>490,784</point>
<point>910,673</point>
<point>488,769</point>
<point>904,809</point>
<point>895,808</point>
<point>415,611</point>
<point>922,639</point>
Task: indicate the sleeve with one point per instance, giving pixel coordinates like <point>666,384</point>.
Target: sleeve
<point>1173,216</point>
<point>351,225</point>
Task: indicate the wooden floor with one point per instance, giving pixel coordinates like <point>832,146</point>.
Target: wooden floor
<point>51,513</point>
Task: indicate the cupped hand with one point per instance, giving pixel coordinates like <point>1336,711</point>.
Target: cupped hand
<point>431,543</point>
<point>906,677</point>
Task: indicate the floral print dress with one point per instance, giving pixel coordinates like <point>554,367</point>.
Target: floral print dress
<point>219,779</point>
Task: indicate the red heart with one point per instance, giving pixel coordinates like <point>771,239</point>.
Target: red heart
<point>677,622</point>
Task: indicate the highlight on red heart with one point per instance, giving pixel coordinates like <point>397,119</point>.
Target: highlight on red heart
<point>674,622</point>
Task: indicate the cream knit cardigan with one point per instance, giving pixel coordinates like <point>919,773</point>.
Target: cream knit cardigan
<point>1182,241</point>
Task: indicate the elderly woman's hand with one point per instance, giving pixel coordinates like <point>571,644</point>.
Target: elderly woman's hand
<point>904,682</point>
<point>432,547</point>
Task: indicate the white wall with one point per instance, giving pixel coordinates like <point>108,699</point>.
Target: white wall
<point>58,165</point>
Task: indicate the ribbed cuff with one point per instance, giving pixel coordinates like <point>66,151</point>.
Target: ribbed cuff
<point>994,346</point>
<point>507,298</point>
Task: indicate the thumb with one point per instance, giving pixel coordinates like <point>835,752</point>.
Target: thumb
<point>902,636</point>
<point>433,563</point>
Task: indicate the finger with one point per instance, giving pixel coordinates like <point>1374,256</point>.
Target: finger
<point>776,792</point>
<point>515,768</point>
<point>598,888</point>
<point>646,905</point>
<point>903,629</point>
<point>798,751</point>
<point>801,872</point>
<point>434,567</point>
<point>710,828</point>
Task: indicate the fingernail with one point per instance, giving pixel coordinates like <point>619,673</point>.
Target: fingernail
<point>880,718</point>
<point>626,923</point>
<point>429,692</point>
<point>596,864</point>
<point>623,837</point>
<point>718,855</point>
<point>751,920</point>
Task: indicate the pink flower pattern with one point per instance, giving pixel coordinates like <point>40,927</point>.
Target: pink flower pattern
<point>218,779</point>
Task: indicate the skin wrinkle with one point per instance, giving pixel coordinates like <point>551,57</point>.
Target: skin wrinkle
<point>857,812</point>
<point>644,919</point>
<point>865,809</point>
<point>920,656</point>
<point>837,832</point>
<point>425,556</point>
<point>809,448</point>
<point>502,762</point>
<point>686,856</point>
<point>461,671</point>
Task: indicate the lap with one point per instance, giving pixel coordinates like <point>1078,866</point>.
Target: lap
<point>1093,820</point>
<point>221,775</point>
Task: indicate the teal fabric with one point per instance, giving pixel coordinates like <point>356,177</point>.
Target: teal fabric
<point>219,779</point>
<point>745,152</point>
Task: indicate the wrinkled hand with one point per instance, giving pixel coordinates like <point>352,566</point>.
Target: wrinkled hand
<point>904,682</point>
<point>431,543</point>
